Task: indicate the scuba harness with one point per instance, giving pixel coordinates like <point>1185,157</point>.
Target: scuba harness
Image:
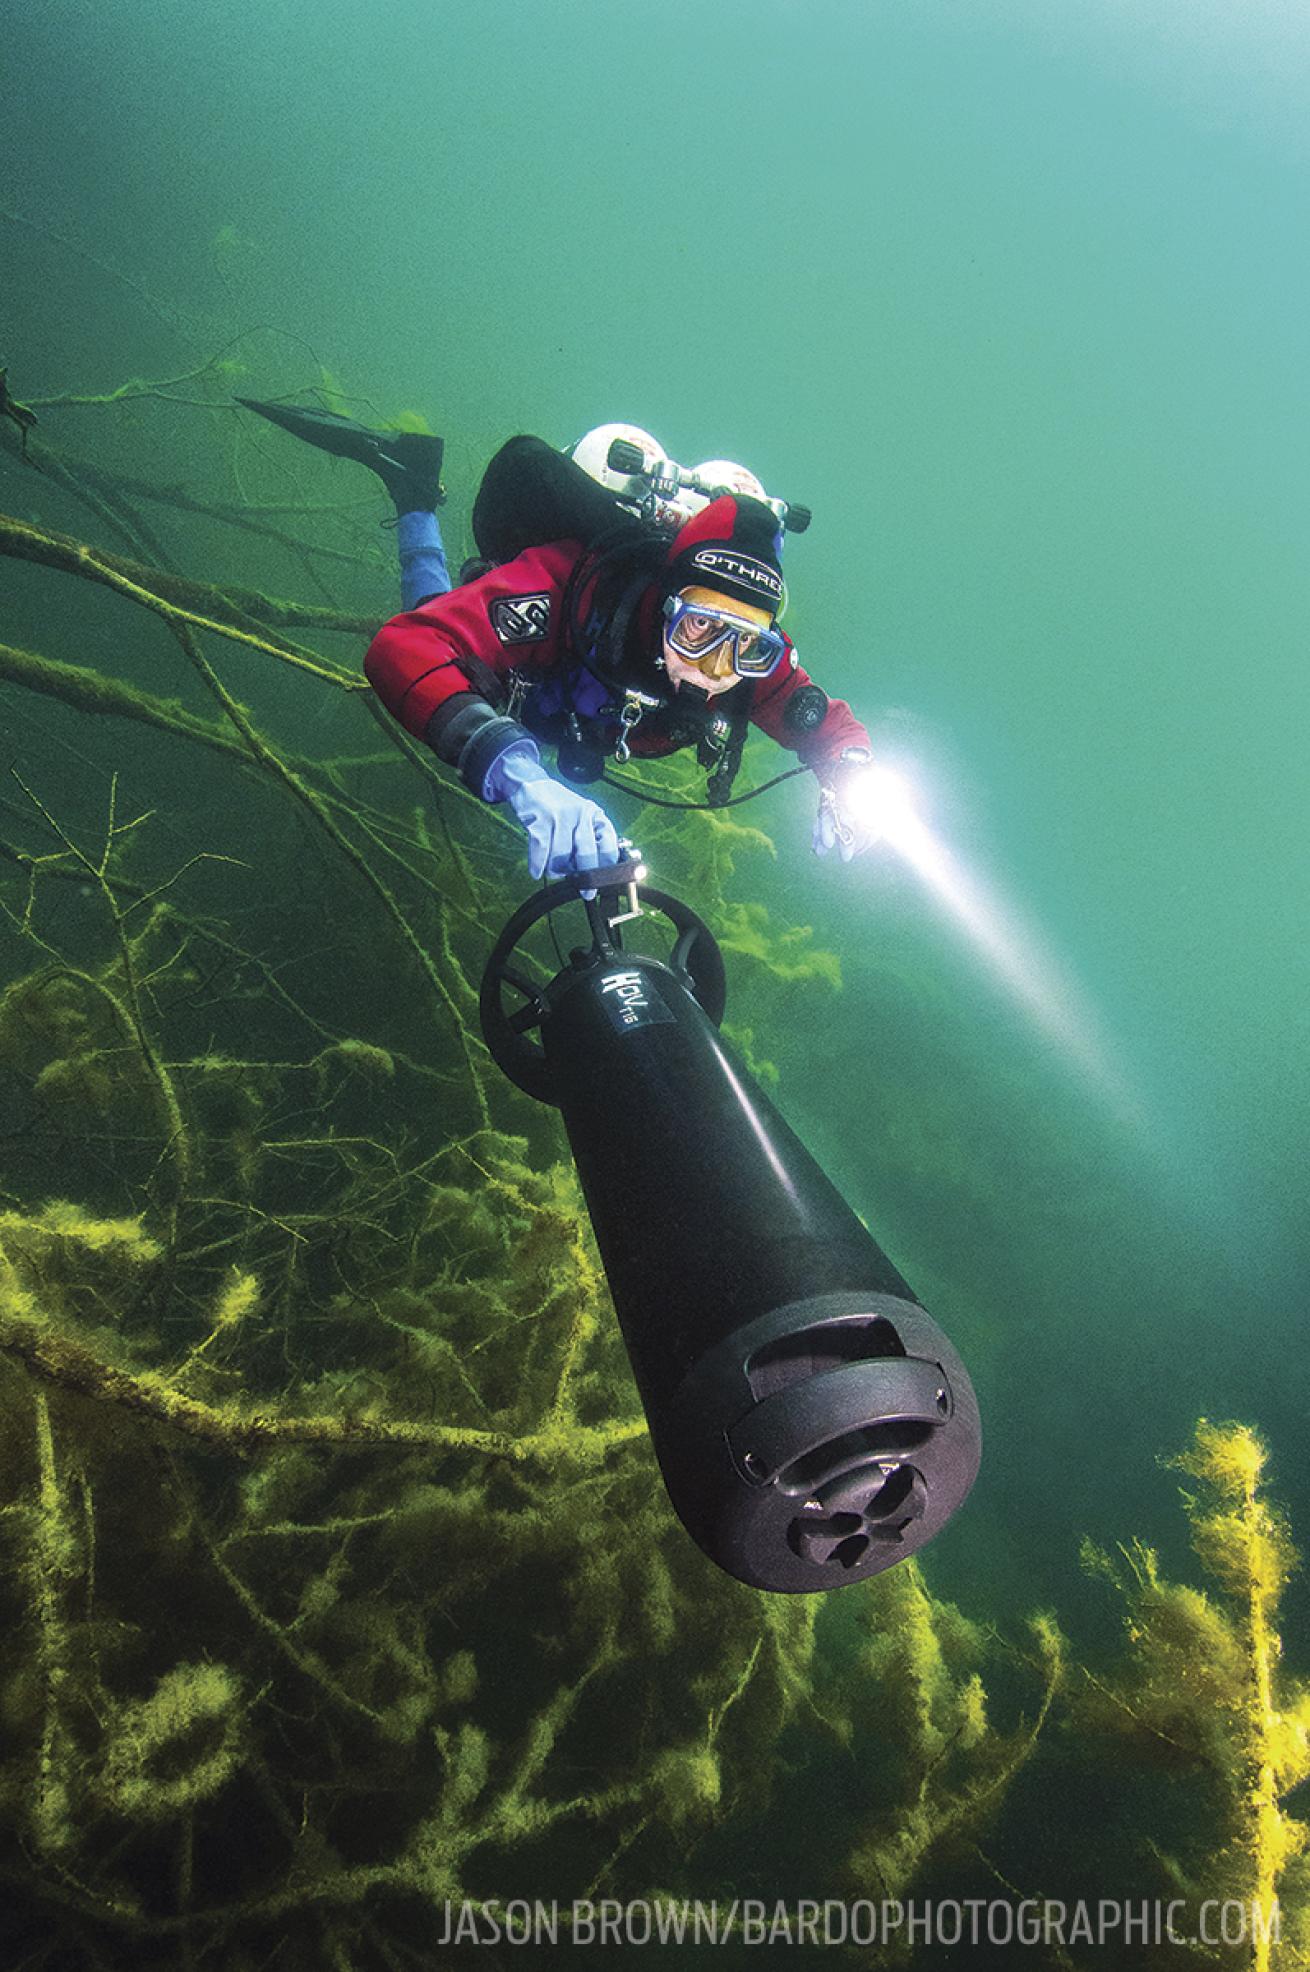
<point>531,494</point>
<point>603,640</point>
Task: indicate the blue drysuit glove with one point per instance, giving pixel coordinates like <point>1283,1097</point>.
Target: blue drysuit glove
<point>565,831</point>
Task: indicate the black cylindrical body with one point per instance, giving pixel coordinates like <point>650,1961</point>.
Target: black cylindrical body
<point>812,1423</point>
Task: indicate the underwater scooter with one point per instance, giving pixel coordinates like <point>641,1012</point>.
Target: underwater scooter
<point>812,1422</point>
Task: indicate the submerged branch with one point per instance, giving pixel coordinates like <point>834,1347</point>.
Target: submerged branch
<point>27,543</point>
<point>95,485</point>
<point>204,598</point>
<point>105,697</point>
<point>309,799</point>
<point>64,1360</point>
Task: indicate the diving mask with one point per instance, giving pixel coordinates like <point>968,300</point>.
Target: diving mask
<point>696,628</point>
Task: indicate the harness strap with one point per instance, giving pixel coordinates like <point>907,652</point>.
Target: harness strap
<point>484,681</point>
<point>718,783</point>
<point>637,554</point>
<point>621,619</point>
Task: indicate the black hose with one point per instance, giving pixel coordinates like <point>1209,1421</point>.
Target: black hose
<point>733,801</point>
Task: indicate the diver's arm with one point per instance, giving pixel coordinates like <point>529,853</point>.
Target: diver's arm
<point>426,664</point>
<point>826,734</point>
<point>784,706</point>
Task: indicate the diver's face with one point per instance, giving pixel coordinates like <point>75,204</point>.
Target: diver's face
<point>712,673</point>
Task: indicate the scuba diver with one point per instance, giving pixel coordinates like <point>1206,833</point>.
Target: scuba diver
<point>621,607</point>
<point>812,1423</point>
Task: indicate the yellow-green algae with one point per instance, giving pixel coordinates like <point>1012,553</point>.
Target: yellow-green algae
<point>342,1577</point>
<point>1201,1692</point>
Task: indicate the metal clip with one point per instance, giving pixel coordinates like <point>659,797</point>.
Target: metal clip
<point>519,687</point>
<point>829,803</point>
<point>630,715</point>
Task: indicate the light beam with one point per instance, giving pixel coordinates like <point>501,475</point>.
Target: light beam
<point>1013,952</point>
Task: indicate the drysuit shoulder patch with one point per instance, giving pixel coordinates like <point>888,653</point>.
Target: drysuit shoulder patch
<point>521,619</point>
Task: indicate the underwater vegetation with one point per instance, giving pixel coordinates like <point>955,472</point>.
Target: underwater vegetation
<point>339,1580</point>
<point>1200,1692</point>
<point>340,1577</point>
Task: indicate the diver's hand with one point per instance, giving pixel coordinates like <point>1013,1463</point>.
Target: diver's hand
<point>844,820</point>
<point>566,831</point>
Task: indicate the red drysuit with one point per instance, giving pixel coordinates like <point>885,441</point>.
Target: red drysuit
<point>510,620</point>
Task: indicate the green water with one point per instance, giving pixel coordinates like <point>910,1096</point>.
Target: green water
<point>1015,296</point>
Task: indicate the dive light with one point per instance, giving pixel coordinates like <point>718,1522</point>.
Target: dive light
<point>812,1422</point>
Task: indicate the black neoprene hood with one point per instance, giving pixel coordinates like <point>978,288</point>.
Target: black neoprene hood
<point>731,546</point>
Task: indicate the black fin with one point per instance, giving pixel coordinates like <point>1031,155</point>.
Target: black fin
<point>407,462</point>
